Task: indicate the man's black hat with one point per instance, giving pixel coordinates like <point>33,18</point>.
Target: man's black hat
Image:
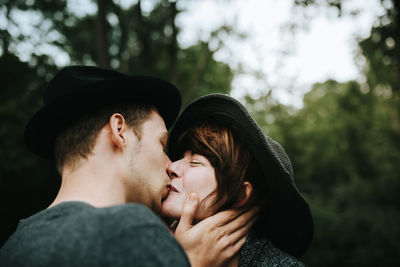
<point>285,218</point>
<point>76,90</point>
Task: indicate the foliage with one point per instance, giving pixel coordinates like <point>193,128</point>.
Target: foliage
<point>345,160</point>
<point>27,184</point>
<point>344,144</point>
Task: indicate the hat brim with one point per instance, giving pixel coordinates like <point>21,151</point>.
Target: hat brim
<point>42,129</point>
<point>286,219</point>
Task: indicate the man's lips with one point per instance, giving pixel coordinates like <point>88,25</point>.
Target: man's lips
<point>165,193</point>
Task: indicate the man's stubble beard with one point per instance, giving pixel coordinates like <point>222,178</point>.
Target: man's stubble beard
<point>143,191</point>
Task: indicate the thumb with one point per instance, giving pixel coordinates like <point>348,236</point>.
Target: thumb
<point>188,212</point>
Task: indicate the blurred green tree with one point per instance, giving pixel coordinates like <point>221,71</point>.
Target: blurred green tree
<point>346,164</point>
<point>344,145</point>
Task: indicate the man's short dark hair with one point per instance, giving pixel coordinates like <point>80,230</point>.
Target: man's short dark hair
<point>77,140</point>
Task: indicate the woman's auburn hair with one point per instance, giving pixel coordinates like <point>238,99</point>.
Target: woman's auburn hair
<point>232,162</point>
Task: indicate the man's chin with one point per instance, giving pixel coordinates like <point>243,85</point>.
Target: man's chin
<point>172,207</point>
<point>155,207</point>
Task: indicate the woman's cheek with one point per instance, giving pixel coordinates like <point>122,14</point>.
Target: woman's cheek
<point>194,185</point>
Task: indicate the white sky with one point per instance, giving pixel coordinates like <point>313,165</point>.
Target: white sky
<point>325,51</point>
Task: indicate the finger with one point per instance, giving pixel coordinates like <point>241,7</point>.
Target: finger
<point>238,245</point>
<point>225,217</point>
<point>188,212</point>
<point>233,249</point>
<point>237,235</point>
<point>243,220</point>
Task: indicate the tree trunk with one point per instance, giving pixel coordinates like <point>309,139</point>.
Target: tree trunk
<point>144,39</point>
<point>102,43</point>
<point>173,47</point>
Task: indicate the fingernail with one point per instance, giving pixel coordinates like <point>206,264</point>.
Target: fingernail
<point>192,197</point>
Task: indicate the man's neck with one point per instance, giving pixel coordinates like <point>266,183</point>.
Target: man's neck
<point>93,183</point>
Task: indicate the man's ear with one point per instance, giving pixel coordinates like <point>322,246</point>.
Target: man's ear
<point>247,191</point>
<point>118,133</point>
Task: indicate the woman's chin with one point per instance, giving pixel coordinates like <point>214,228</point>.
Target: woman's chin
<point>170,211</point>
<point>170,215</point>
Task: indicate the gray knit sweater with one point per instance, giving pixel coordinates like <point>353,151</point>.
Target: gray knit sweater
<point>77,234</point>
<point>261,252</point>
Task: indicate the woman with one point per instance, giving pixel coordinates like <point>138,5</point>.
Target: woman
<point>220,153</point>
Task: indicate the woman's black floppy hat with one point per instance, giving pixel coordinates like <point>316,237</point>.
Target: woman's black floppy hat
<point>287,220</point>
<point>77,90</point>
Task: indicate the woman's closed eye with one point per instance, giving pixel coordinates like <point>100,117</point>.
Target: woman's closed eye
<point>195,162</point>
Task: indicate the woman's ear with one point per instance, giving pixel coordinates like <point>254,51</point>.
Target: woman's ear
<point>247,191</point>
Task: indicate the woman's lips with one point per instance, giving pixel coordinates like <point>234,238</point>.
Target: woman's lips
<point>173,188</point>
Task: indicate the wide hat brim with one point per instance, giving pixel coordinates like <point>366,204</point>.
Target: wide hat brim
<point>286,219</point>
<point>42,129</point>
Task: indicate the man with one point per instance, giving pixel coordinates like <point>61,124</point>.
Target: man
<point>107,134</point>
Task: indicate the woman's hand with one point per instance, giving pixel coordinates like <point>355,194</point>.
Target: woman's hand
<point>215,240</point>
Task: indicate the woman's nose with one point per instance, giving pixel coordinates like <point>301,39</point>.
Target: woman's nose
<point>173,170</point>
